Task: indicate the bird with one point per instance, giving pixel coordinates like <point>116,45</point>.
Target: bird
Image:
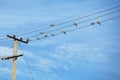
<point>38,38</point>
<point>63,31</point>
<point>41,32</point>
<point>98,22</point>
<point>75,24</point>
<point>2,58</point>
<point>52,34</point>
<point>92,23</point>
<point>52,25</point>
<point>46,36</point>
<point>27,40</point>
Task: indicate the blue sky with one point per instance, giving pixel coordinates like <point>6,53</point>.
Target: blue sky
<point>90,53</point>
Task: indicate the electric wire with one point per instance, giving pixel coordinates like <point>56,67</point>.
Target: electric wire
<point>102,21</point>
<point>110,3</point>
<point>70,20</point>
<point>98,12</point>
<point>86,20</point>
<point>27,63</point>
<point>86,16</point>
<point>114,12</point>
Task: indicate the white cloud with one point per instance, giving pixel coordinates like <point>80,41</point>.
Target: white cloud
<point>66,56</point>
<point>73,54</point>
<point>6,51</point>
<point>46,64</point>
<point>43,64</point>
<point>5,69</point>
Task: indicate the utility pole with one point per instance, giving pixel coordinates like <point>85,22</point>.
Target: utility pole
<point>15,56</point>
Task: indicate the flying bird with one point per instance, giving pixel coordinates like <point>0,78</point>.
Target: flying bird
<point>63,31</point>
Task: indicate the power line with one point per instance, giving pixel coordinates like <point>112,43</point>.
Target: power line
<point>98,12</point>
<point>90,24</point>
<point>80,27</point>
<point>88,15</point>
<point>110,3</point>
<point>27,63</point>
<point>79,22</point>
<point>79,18</point>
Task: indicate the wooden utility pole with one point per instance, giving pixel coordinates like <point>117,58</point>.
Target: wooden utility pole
<point>14,60</point>
<point>15,56</point>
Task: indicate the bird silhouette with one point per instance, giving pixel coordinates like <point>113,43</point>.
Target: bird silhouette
<point>28,40</point>
<point>63,31</point>
<point>98,22</point>
<point>52,34</point>
<point>46,36</point>
<point>92,23</point>
<point>38,38</point>
<point>52,25</point>
<point>41,32</point>
<point>75,24</point>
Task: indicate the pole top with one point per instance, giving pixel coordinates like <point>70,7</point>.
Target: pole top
<point>14,38</point>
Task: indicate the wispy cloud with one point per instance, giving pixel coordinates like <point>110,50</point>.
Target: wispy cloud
<point>6,51</point>
<point>73,54</point>
<point>5,69</point>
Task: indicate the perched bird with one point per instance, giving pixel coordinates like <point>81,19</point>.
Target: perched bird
<point>92,23</point>
<point>52,34</point>
<point>75,24</point>
<point>41,32</point>
<point>20,39</point>
<point>63,31</point>
<point>46,36</point>
<point>28,40</point>
<point>2,58</point>
<point>98,22</point>
<point>38,38</point>
<point>52,25</point>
